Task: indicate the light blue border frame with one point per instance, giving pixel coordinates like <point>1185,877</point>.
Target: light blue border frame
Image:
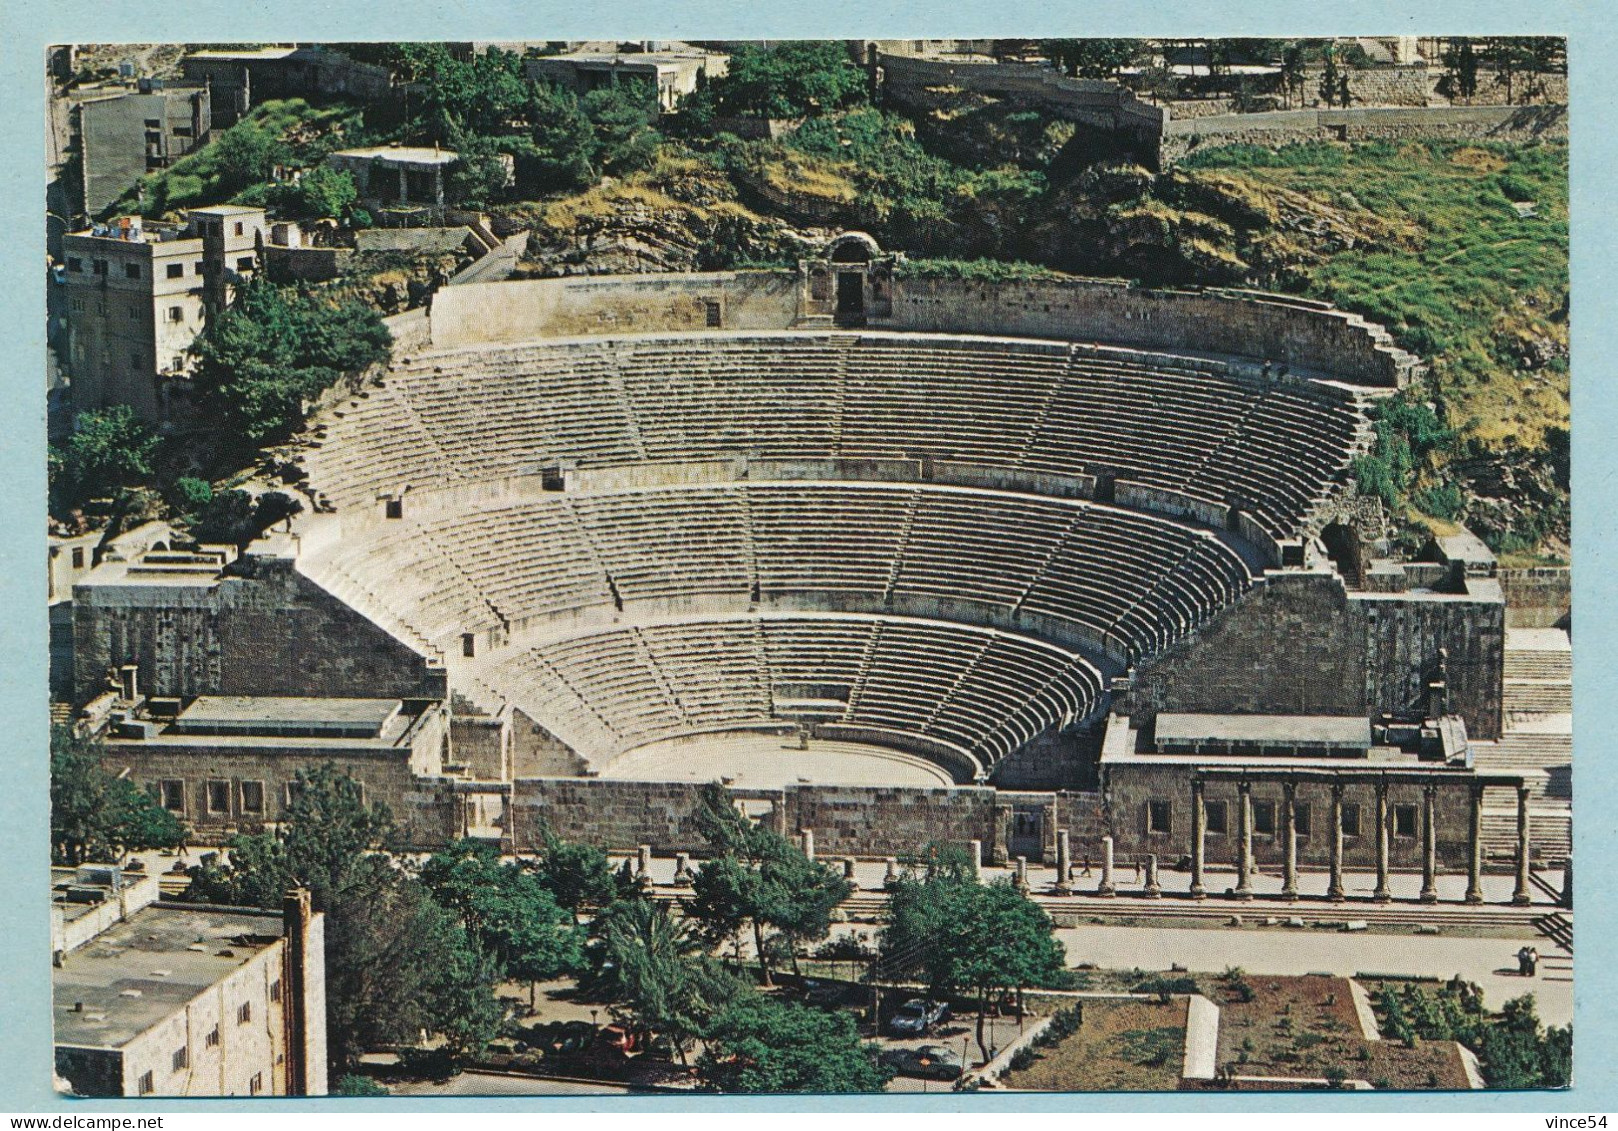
<point>25,1045</point>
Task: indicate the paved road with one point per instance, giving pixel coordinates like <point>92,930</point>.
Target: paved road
<point>489,1084</point>
<point>1491,963</point>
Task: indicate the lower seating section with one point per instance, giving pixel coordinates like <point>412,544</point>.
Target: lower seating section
<point>1176,424</point>
<point>1123,581</point>
<point>981,691</point>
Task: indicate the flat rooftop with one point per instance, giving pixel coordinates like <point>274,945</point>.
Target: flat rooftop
<point>1345,732</point>
<point>250,53</point>
<point>142,970</point>
<point>404,154</point>
<point>305,717</point>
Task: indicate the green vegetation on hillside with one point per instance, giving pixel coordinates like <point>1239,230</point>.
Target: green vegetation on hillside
<point>1480,292</point>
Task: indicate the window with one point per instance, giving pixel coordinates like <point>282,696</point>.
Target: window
<point>182,1057</point>
<point>245,263</point>
<point>713,313</point>
<point>78,305</point>
<point>74,263</point>
<point>199,267</point>
<point>78,557</point>
<point>171,792</point>
<point>1351,820</point>
<point>1159,816</point>
<point>1300,818</point>
<point>1404,820</point>
<point>176,314</point>
<point>252,797</point>
<point>395,508</point>
<point>154,123</point>
<point>146,1085</point>
<point>1218,817</point>
<point>212,1039</point>
<point>1264,818</point>
<point>219,797</point>
<point>182,131</point>
<point>238,227</point>
<point>256,1084</point>
<point>469,645</point>
<point>176,270</point>
<point>98,266</point>
<point>131,270</point>
<point>244,1013</point>
<point>275,990</point>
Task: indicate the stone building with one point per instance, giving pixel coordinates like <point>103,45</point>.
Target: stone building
<point>241,79</point>
<point>178,999</point>
<point>123,138</point>
<point>672,74</point>
<point>408,183</point>
<point>138,294</point>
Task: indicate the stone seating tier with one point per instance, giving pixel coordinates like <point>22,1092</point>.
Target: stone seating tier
<point>1181,425</point>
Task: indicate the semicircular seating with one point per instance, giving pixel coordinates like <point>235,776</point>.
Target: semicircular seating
<point>1113,581</point>
<point>964,620</point>
<point>973,691</point>
<point>1182,425</point>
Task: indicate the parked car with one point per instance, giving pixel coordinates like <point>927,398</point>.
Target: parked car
<point>930,1062</point>
<point>916,1016</point>
<point>824,994</point>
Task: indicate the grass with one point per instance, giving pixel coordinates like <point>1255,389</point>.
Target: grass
<point>1121,1046</point>
<point>308,131</point>
<point>1475,287</point>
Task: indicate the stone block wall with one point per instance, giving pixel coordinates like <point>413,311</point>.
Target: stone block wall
<point>557,308</point>
<point>263,630</point>
<point>1303,334</point>
<point>1537,598</point>
<point>1301,644</point>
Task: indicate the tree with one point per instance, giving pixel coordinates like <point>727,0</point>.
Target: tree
<point>761,1045</point>
<point>506,910</point>
<point>352,1084</point>
<point>655,973</point>
<point>96,815</point>
<point>563,154</point>
<point>785,80</point>
<point>480,175</point>
<point>108,448</point>
<point>397,963</point>
<point>1292,72</point>
<point>245,155</point>
<point>967,936</point>
<point>578,875</point>
<point>757,876</point>
<point>621,116</point>
<point>1331,77</point>
<point>320,193</point>
<point>236,517</point>
<point>1094,58</point>
<point>273,350</point>
<point>1459,82</point>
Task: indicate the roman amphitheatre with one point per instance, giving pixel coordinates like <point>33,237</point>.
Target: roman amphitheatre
<point>1056,566</point>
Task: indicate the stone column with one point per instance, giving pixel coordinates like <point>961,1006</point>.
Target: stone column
<point>683,876</point>
<point>1567,884</point>
<point>1199,838</point>
<point>1429,844</point>
<point>848,868</point>
<point>1153,889</point>
<point>891,875</point>
<point>1382,894</point>
<point>1022,873</point>
<point>643,860</point>
<point>1244,850</point>
<point>975,851</point>
<point>1064,863</point>
<point>1525,860</point>
<point>1334,886</point>
<point>1289,802</point>
<point>1474,848</point>
<point>809,843</point>
<point>1107,887</point>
